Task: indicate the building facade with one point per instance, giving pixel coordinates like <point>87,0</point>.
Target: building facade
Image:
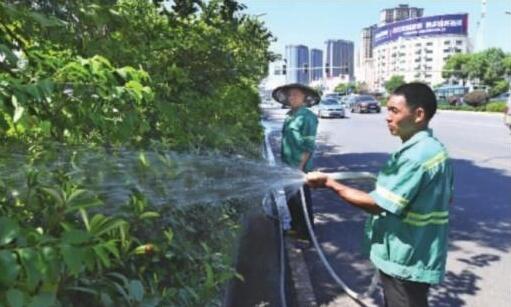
<point>340,55</point>
<point>418,48</point>
<point>297,57</point>
<point>402,12</point>
<point>316,64</point>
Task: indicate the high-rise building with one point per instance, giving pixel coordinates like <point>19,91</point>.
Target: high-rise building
<point>316,64</point>
<point>297,57</point>
<point>418,48</point>
<point>402,12</point>
<point>364,67</point>
<point>340,58</point>
<point>366,46</point>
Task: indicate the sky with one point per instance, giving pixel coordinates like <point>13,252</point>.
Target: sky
<point>312,22</point>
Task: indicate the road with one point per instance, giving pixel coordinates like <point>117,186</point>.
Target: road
<point>479,259</point>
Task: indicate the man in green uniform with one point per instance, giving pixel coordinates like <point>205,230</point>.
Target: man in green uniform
<point>407,229</point>
<point>297,146</point>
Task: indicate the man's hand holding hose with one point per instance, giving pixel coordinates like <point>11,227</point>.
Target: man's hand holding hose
<point>354,197</point>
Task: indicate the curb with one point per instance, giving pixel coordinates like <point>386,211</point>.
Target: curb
<point>300,277</point>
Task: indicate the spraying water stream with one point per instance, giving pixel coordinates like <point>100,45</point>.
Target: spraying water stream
<point>163,177</point>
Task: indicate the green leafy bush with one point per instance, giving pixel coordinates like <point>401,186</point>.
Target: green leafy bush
<point>113,75</point>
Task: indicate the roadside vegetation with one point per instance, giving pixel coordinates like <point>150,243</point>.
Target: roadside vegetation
<point>121,75</point>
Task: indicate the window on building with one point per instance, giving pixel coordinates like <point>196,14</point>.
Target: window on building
<point>447,42</point>
<point>459,42</point>
<point>429,44</point>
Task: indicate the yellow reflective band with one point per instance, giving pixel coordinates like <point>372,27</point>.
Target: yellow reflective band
<point>434,214</point>
<point>394,198</point>
<point>426,222</point>
<point>436,160</point>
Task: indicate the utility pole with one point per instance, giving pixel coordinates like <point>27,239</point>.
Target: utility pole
<point>480,45</point>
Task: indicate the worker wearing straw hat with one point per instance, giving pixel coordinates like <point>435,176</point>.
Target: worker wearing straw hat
<point>298,143</point>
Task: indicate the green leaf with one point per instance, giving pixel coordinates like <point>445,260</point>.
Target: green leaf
<point>169,234</point>
<point>9,230</point>
<point>55,194</point>
<point>120,277</point>
<point>100,224</point>
<point>102,255</point>
<point>9,267</point>
<point>111,246</point>
<point>121,291</point>
<point>77,193</point>
<point>14,297</point>
<point>106,299</point>
<point>44,299</point>
<point>33,265</point>
<point>136,290</point>
<point>52,260</point>
<point>149,215</point>
<point>75,236</point>
<point>73,258</point>
<point>209,276</point>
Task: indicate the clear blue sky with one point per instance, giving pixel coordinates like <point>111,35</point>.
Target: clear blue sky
<point>311,22</point>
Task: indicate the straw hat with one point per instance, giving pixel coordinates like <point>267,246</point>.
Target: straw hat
<point>280,94</point>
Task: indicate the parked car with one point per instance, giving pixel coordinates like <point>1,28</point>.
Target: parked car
<point>501,97</point>
<point>345,101</point>
<point>337,96</point>
<point>330,108</point>
<point>364,104</point>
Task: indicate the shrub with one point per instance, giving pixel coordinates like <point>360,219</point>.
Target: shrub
<point>453,100</point>
<point>498,106</point>
<point>476,98</point>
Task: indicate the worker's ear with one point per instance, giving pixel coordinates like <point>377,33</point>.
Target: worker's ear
<point>420,115</point>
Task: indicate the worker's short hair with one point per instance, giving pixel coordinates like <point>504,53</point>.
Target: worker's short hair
<point>417,95</point>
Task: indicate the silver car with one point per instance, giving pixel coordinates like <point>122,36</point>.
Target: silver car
<point>330,108</point>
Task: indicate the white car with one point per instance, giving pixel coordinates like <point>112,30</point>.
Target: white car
<point>330,108</point>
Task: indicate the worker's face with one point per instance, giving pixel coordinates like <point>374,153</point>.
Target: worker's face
<point>296,98</point>
<point>402,120</point>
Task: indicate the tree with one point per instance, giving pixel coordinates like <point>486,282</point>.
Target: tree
<point>394,82</point>
<point>456,66</point>
<point>344,88</point>
<point>362,88</point>
<point>488,67</point>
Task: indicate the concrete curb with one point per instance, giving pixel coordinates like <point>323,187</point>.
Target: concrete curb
<point>300,277</point>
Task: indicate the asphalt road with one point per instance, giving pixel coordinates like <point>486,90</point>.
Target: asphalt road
<point>479,260</point>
